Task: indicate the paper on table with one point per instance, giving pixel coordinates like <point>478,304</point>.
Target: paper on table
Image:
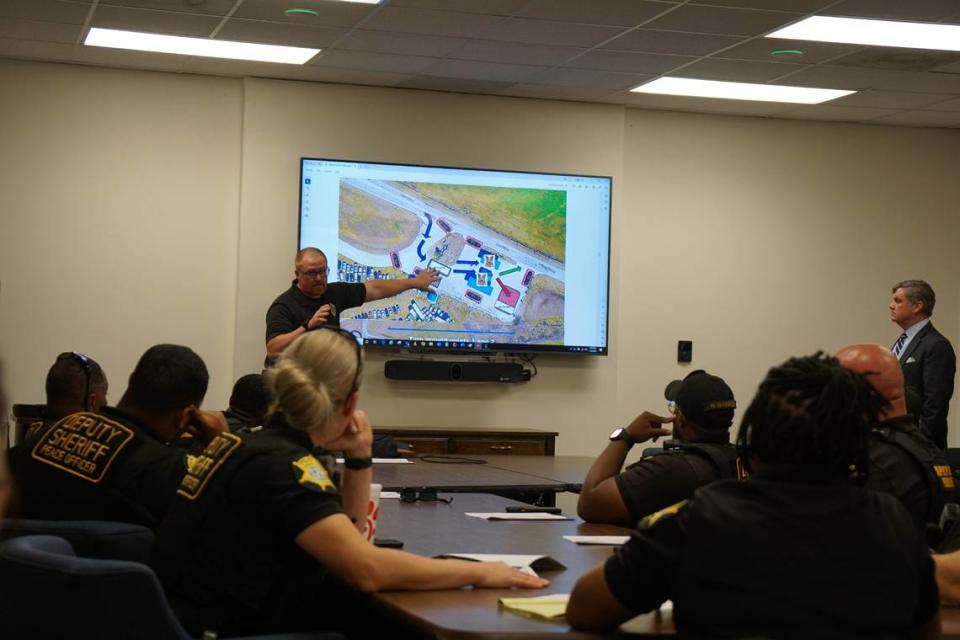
<point>517,561</point>
<point>615,540</point>
<point>383,461</point>
<point>518,516</point>
<point>549,606</point>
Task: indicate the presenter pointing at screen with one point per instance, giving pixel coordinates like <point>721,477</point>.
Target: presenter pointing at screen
<point>312,302</point>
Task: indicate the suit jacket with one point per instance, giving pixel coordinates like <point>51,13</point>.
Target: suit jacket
<point>929,365</point>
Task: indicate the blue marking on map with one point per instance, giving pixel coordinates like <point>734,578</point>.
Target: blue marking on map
<point>471,262</point>
<point>472,282</point>
<point>484,252</point>
<point>426,234</point>
<point>420,253</point>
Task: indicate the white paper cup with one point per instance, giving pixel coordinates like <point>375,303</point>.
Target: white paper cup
<point>373,510</point>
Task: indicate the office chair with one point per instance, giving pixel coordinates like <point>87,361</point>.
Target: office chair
<point>46,591</point>
<point>89,538</point>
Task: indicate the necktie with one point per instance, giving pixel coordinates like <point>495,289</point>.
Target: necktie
<point>898,347</point>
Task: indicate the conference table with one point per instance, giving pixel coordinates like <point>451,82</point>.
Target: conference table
<point>435,528</point>
<point>532,479</point>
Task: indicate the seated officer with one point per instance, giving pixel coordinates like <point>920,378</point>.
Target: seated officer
<point>259,534</point>
<point>701,454</point>
<point>117,466</point>
<point>904,462</point>
<point>75,382</point>
<point>797,549</point>
<point>249,402</point>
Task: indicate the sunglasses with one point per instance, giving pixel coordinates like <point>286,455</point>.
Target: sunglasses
<point>84,362</point>
<point>424,494</point>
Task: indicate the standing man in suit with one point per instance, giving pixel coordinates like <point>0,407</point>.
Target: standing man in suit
<point>927,358</point>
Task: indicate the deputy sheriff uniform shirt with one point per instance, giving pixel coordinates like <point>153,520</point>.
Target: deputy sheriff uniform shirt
<point>226,553</point>
<point>89,466</point>
<point>784,554</point>
<point>661,480</point>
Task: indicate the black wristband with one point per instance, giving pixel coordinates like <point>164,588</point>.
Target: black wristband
<point>306,325</point>
<point>356,464</point>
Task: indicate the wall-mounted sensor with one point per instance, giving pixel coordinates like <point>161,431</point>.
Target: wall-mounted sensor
<point>685,351</point>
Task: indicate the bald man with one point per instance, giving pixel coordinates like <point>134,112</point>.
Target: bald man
<point>904,462</point>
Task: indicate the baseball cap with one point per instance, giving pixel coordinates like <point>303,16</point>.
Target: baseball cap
<point>704,398</point>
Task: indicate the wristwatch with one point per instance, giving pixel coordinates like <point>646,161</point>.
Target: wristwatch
<point>621,434</point>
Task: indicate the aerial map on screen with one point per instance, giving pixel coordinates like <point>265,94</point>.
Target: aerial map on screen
<point>500,252</point>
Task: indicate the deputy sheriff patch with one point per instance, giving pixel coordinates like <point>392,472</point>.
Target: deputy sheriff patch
<point>83,445</point>
<point>666,512</point>
<point>310,473</point>
<point>945,475</point>
<point>201,468</point>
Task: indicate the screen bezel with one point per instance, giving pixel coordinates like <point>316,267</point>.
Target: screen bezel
<point>484,348</point>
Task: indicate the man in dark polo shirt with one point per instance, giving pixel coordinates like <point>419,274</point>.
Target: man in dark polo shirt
<point>797,550</point>
<point>904,461</point>
<point>312,302</point>
<point>116,465</point>
<point>701,453</point>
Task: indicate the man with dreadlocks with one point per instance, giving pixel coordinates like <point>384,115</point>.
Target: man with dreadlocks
<point>796,550</point>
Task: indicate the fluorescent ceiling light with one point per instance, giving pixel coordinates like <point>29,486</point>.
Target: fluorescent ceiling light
<point>739,91</point>
<point>882,33</point>
<point>159,43</point>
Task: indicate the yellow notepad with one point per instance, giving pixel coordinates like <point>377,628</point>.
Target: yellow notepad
<point>549,606</point>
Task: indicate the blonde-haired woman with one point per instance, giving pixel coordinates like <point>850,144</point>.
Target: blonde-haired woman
<point>259,528</point>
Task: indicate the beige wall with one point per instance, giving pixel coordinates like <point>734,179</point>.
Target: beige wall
<point>119,195</point>
<point>170,214</point>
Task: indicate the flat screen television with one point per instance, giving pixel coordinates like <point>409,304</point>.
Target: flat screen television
<point>524,257</point>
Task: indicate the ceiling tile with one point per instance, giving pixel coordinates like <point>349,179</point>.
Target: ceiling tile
<point>331,14</point>
<point>401,43</point>
<point>366,60</point>
<point>515,53</point>
<point>897,59</point>
<point>555,93</point>
<point>210,7</point>
<point>922,82</point>
<point>130,59</point>
<point>586,78</point>
<point>491,7</point>
<point>738,22</point>
<point>434,83</point>
<point>699,105</point>
<point>623,13</point>
<point>564,34</point>
<point>929,10</point>
<point>34,50</point>
<point>827,77</point>
<point>347,76</point>
<point>948,105</point>
<point>151,21</point>
<point>674,42</point>
<point>474,70</point>
<point>923,119</point>
<point>631,62</point>
<point>813,52</point>
<point>736,70</point>
<point>890,99</point>
<point>39,31</point>
<point>773,5</point>
<point>441,23</point>
<point>277,33</point>
<point>836,113</point>
<point>47,10</point>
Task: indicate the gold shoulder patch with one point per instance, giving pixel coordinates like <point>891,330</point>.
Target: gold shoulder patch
<point>202,467</point>
<point>655,517</point>
<point>310,473</point>
<point>945,475</point>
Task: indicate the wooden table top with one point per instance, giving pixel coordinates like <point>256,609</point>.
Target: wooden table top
<point>435,528</point>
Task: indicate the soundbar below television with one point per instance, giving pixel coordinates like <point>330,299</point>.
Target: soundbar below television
<point>524,258</point>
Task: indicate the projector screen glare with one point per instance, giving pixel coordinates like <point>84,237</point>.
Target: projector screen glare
<point>523,258</point>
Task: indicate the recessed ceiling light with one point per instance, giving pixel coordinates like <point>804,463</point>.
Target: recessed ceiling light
<point>882,33</point>
<point>362,1</point>
<point>301,12</point>
<point>739,91</point>
<point>784,53</point>
<point>205,47</point>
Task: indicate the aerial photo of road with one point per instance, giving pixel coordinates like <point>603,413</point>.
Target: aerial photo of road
<point>499,252</point>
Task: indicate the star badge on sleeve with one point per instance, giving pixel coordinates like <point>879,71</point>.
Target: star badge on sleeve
<point>312,474</point>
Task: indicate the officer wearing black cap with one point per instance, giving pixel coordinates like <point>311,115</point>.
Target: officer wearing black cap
<point>703,406</point>
<point>797,549</point>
